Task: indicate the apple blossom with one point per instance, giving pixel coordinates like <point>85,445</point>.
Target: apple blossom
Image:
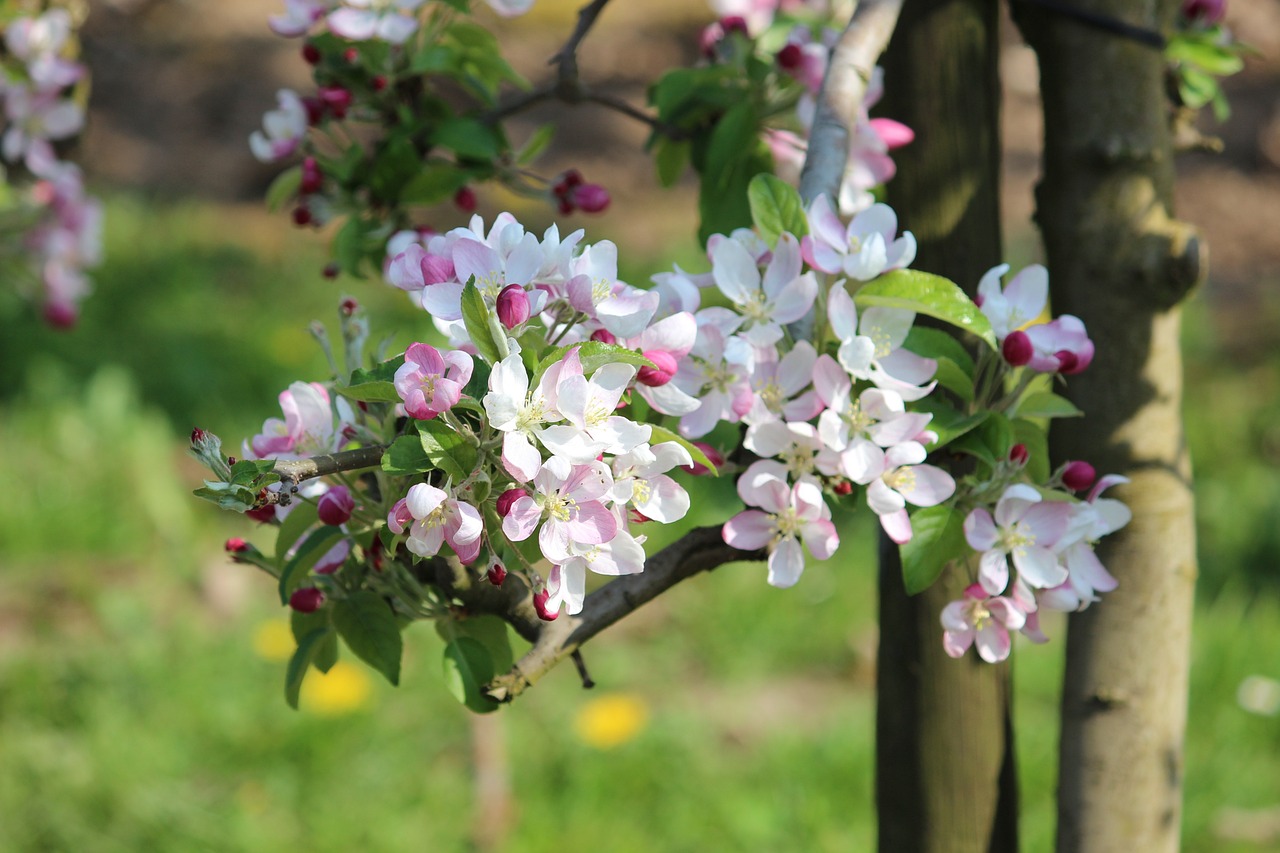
<point>568,502</point>
<point>439,517</point>
<point>863,249</point>
<point>894,478</point>
<point>783,295</point>
<point>430,382</point>
<point>786,516</point>
<point>361,20</point>
<point>640,479</point>
<point>284,128</point>
<point>1018,304</point>
<point>1026,529</point>
<point>982,620</point>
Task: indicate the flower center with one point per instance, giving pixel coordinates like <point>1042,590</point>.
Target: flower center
<point>772,397</point>
<point>641,491</point>
<point>788,524</point>
<point>901,479</point>
<point>757,306</point>
<point>1015,538</point>
<point>561,508</point>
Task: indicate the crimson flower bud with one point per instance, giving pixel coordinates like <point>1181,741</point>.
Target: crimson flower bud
<point>734,24</point>
<point>311,54</point>
<point>540,605</point>
<point>568,180</point>
<point>465,199</point>
<point>315,110</point>
<point>660,374</point>
<point>301,216</point>
<point>604,336</point>
<point>262,514</point>
<point>59,314</point>
<point>306,600</point>
<point>1068,362</point>
<point>497,572</point>
<point>351,55</point>
<point>590,198</point>
<point>1019,454</point>
<point>335,506</point>
<point>715,457</point>
<point>236,545</point>
<point>789,57</point>
<point>1204,11</point>
<point>506,499</point>
<point>1078,476</point>
<point>513,306</point>
<point>379,82</point>
<point>843,487</point>
<point>348,306</point>
<point>331,270</point>
<point>337,99</point>
<point>312,177</point>
<point>198,436</point>
<point>1017,349</point>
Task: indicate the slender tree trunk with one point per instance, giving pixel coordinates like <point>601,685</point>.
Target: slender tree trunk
<point>1119,261</point>
<point>945,780</point>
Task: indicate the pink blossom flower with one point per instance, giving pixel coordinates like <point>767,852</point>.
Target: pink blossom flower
<point>871,347</point>
<point>877,415</point>
<point>722,388</point>
<point>1019,303</point>
<point>1086,576</point>
<point>1025,529</point>
<point>862,250</point>
<point>1061,346</point>
<point>568,502</point>
<point>983,620</point>
<point>284,128</point>
<point>778,387</point>
<point>34,118</point>
<point>438,517</point>
<point>521,413</point>
<point>783,295</point>
<point>362,20</point>
<point>895,478</point>
<point>298,17</point>
<point>430,382</point>
<point>567,582</point>
<point>308,425</point>
<point>589,408</point>
<point>787,516</point>
<point>640,479</point>
<point>510,8</point>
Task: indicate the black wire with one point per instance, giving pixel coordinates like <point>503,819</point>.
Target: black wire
<point>1107,24</point>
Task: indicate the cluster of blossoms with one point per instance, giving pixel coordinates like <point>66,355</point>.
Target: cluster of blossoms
<point>55,227</point>
<point>797,36</point>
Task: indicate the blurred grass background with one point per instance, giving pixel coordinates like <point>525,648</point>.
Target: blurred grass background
<point>141,673</point>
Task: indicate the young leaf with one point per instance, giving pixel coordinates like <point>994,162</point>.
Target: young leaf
<point>537,143</point>
<point>369,628</point>
<point>489,631</point>
<point>325,654</point>
<point>468,137</point>
<point>406,456</point>
<point>670,156</point>
<point>284,188</point>
<point>475,314</point>
<point>1044,404</point>
<point>929,294</point>
<point>435,181</point>
<point>776,207</point>
<point>661,434</point>
<point>1036,440</point>
<point>298,664</point>
<point>308,553</point>
<point>467,668</point>
<point>935,343</point>
<point>937,538</point>
<point>447,449</point>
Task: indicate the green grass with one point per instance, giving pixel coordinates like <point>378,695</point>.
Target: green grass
<point>135,713</point>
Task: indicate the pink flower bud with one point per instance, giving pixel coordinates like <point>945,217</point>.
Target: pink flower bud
<point>306,600</point>
<point>1017,349</point>
<point>590,198</point>
<point>236,545</point>
<point>843,487</point>
<point>513,306</point>
<point>337,99</point>
<point>348,306</point>
<point>59,314</point>
<point>507,498</point>
<point>262,514</point>
<point>497,572</point>
<point>336,506</point>
<point>312,177</point>
<point>465,199</point>
<point>315,109</point>
<point>351,55</point>
<point>734,24</point>
<point>715,457</point>
<point>540,605</point>
<point>1068,362</point>
<point>301,216</point>
<point>379,82</point>
<point>789,57</point>
<point>1019,454</point>
<point>198,436</point>
<point>708,39</point>
<point>310,54</point>
<point>1208,12</point>
<point>604,336</point>
<point>1078,476</point>
<point>661,374</point>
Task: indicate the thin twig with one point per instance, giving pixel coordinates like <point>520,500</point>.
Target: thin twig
<point>295,471</point>
<point>581,664</point>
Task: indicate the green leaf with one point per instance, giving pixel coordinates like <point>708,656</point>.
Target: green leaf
<point>325,655</point>
<point>935,343</point>
<point>1196,87</point>
<point>670,156</point>
<point>284,188</point>
<point>447,449</point>
<point>537,143</point>
<point>937,538</point>
<point>434,182</point>
<point>303,517</point>
<point>300,662</point>
<point>478,386</point>
<point>1044,404</point>
<point>1036,439</point>
<point>309,552</point>
<point>928,294</point>
<point>369,628</point>
<point>475,314</point>
<point>490,631</point>
<point>468,137</point>
<point>348,246</point>
<point>406,456</point>
<point>467,668</point>
<point>733,157</point>
<point>376,385</point>
<point>776,207</point>
<point>948,422</point>
<point>1216,59</point>
<point>661,434</point>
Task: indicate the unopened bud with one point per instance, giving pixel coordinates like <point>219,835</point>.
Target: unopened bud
<point>331,269</point>
<point>301,216</point>
<point>1204,11</point>
<point>236,545</point>
<point>310,54</point>
<point>590,198</point>
<point>198,436</point>
<point>540,605</point>
<point>507,499</point>
<point>1068,362</point>
<point>351,55</point>
<point>734,24</point>
<point>262,514</point>
<point>465,199</point>
<point>843,487</point>
<point>348,306</point>
<point>789,57</point>
<point>715,457</point>
<point>1078,476</point>
<point>60,314</point>
<point>513,306</point>
<point>312,177</point>
<point>315,109</point>
<point>604,336</point>
<point>306,600</point>
<point>379,82</point>
<point>664,368</point>
<point>497,572</point>
<point>336,99</point>
<point>335,506</point>
<point>1018,454</point>
<point>1017,349</point>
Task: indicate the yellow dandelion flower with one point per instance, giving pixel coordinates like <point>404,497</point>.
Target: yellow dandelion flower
<point>273,641</point>
<point>611,720</point>
<point>343,689</point>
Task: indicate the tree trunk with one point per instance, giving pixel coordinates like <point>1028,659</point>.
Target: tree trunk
<point>945,779</point>
<point>1119,261</point>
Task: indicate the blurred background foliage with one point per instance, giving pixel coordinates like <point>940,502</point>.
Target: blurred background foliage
<point>141,702</point>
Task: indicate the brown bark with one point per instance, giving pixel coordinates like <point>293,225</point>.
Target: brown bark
<point>945,779</point>
<point>1119,261</point>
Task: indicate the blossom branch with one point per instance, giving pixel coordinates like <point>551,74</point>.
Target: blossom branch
<point>294,471</point>
<point>700,550</point>
<point>840,98</point>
